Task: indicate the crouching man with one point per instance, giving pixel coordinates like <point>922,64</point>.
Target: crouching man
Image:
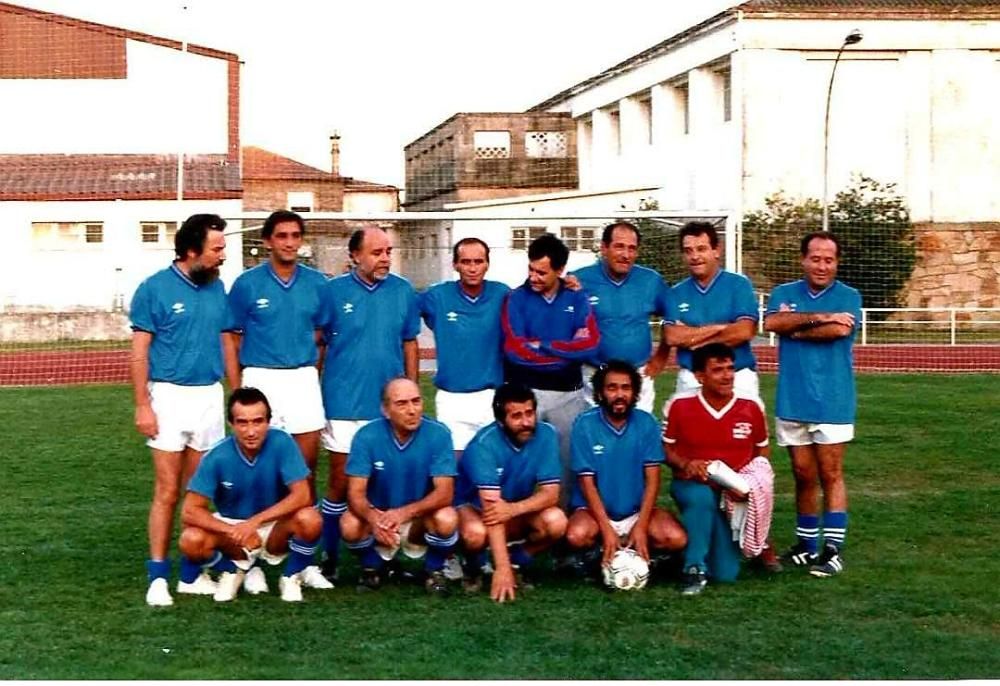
<point>508,492</point>
<point>258,482</point>
<point>400,485</point>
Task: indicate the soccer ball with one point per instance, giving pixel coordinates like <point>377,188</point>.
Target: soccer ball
<point>626,571</point>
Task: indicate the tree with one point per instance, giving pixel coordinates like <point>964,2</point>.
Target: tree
<point>870,219</point>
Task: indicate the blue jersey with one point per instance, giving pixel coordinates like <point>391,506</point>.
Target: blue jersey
<point>623,308</point>
<point>491,461</point>
<point>241,488</point>
<point>727,299</point>
<point>364,328</point>
<point>616,458</point>
<point>816,378</point>
<point>278,319</point>
<point>467,335</point>
<point>400,473</point>
<point>186,321</point>
<point>554,363</point>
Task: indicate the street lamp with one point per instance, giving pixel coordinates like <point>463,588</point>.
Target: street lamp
<point>853,37</point>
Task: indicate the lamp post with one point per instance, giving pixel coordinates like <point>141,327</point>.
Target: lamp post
<point>853,37</point>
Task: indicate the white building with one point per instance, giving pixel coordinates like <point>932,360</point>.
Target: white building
<point>88,171</point>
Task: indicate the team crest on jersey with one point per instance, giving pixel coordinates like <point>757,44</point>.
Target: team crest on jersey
<point>742,430</point>
<point>452,316</point>
<point>263,303</point>
<point>178,308</point>
<point>684,307</point>
<point>598,449</point>
<point>594,299</point>
<point>569,308</point>
<point>499,471</point>
<point>227,484</point>
<point>348,308</point>
<point>380,465</point>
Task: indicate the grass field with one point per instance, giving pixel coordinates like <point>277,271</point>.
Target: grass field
<point>918,599</point>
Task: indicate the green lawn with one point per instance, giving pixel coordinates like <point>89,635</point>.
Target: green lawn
<point>918,599</point>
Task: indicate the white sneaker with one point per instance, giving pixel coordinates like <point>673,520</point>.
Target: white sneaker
<point>291,588</point>
<point>312,577</point>
<point>453,569</point>
<point>228,586</point>
<point>203,585</point>
<point>158,594</point>
<point>255,582</point>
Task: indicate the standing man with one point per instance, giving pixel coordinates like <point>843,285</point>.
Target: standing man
<point>549,330</point>
<point>508,490</point>
<point>816,318</point>
<point>277,313</point>
<point>616,459</point>
<point>371,322</point>
<point>465,318</point>
<point>712,423</point>
<point>623,296</point>
<point>257,481</point>
<point>178,318</point>
<point>401,483</point>
<point>712,305</point>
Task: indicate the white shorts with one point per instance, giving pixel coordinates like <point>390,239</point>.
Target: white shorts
<point>294,395</point>
<point>411,550</point>
<point>339,433</point>
<point>746,384</point>
<point>464,413</point>
<point>252,555</point>
<point>187,416</point>
<point>623,527</point>
<point>794,433</point>
<point>646,394</point>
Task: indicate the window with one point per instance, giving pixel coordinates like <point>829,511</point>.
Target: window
<point>644,106</point>
<point>579,237</point>
<point>549,144</point>
<point>615,131</point>
<point>491,144</point>
<point>725,85</point>
<point>66,235</point>
<point>300,201</point>
<point>683,102</point>
<point>521,236</point>
<point>157,233</point>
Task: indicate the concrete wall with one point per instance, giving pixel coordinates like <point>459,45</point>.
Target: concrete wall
<point>958,265</point>
<point>45,327</point>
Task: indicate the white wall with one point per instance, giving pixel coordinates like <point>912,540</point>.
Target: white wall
<point>169,102</point>
<point>95,275</point>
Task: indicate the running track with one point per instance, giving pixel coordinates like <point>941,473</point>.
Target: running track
<point>58,368</point>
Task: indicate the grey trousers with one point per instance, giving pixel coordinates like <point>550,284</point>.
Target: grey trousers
<point>560,409</point>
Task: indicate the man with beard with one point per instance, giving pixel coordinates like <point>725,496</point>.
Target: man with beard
<point>465,318</point>
<point>277,312</point>
<point>179,316</point>
<point>508,490</point>
<point>616,459</point>
<point>401,483</point>
<point>817,319</point>
<point>624,295</point>
<point>713,423</point>
<point>371,321</point>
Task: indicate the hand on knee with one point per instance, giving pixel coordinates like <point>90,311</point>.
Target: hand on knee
<point>444,522</point>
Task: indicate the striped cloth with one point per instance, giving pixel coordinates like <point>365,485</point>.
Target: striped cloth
<point>751,519</point>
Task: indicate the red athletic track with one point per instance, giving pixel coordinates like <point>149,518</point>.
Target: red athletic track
<point>59,368</point>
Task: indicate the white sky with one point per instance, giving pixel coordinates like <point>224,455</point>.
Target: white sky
<point>384,72</point>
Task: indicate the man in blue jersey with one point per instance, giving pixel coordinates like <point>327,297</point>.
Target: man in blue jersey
<point>465,318</point>
<point>371,321</point>
<point>616,459</point>
<point>277,313</point>
<point>712,305</point>
<point>178,318</point>
<point>401,474</point>
<point>623,296</point>
<point>549,330</point>
<point>817,318</point>
<point>508,490</point>
<point>257,481</point>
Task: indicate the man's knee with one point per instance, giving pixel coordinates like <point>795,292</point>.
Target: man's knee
<point>443,522</point>
<point>351,527</point>
<point>194,543</point>
<point>473,534</point>
<point>666,533</point>
<point>580,534</point>
<point>553,523</point>
<point>307,523</point>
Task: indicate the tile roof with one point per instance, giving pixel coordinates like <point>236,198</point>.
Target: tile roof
<point>260,164</point>
<point>112,177</point>
<point>923,7</point>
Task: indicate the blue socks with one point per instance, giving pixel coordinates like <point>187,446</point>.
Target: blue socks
<point>158,569</point>
<point>834,529</point>
<point>331,512</point>
<point>190,570</point>
<point>520,557</point>
<point>807,531</point>
<point>438,550</point>
<point>300,555</point>
<point>367,555</point>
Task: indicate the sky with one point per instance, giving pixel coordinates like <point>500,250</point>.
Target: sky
<point>382,73</point>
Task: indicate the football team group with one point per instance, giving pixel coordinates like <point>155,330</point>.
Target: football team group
<point>544,437</point>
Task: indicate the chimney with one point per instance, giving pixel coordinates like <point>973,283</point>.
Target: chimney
<point>335,153</point>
